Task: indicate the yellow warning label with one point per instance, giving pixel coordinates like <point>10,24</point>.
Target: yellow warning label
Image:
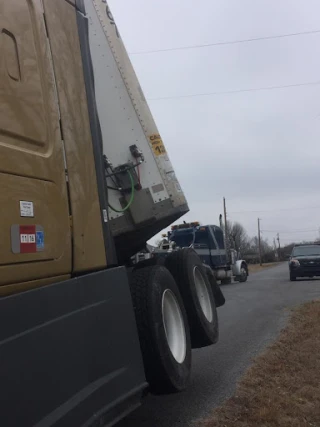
<point>157,145</point>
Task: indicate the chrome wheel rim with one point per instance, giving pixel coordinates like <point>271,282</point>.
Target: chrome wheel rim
<point>203,294</point>
<point>174,326</point>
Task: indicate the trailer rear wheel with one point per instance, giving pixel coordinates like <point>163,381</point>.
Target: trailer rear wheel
<point>196,291</point>
<point>163,329</point>
<point>217,293</point>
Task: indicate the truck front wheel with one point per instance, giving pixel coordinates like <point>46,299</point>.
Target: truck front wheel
<point>243,274</point>
<point>163,329</point>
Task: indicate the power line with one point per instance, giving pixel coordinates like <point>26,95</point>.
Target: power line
<point>302,33</point>
<point>276,210</point>
<point>289,232</point>
<point>230,92</point>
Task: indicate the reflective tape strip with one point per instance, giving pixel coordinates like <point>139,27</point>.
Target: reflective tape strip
<point>207,251</point>
<point>203,251</point>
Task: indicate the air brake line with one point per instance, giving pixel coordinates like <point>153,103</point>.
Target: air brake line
<point>131,196</point>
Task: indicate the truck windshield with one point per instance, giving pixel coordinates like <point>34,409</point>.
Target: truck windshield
<point>201,238</point>
<point>182,239</point>
<point>306,250</point>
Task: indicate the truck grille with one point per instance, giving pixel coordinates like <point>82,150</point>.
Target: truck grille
<point>310,264</point>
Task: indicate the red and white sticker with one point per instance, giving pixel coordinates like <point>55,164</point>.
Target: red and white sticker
<point>27,239</point>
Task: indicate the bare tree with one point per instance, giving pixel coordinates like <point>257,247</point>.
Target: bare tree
<point>267,251</point>
<point>237,237</point>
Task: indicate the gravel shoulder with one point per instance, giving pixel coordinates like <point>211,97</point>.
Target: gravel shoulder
<point>255,268</point>
<point>282,387</point>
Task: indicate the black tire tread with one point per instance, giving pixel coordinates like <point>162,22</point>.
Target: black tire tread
<point>139,295</point>
<point>156,374</point>
<point>292,277</point>
<point>217,293</point>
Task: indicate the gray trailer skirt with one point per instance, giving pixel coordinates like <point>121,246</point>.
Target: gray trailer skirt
<point>70,354</point>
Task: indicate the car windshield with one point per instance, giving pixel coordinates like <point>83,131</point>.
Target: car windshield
<point>306,250</point>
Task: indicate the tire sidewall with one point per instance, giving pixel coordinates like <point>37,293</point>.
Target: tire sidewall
<point>175,370</point>
<point>219,298</point>
<point>195,261</point>
<point>203,332</point>
<point>243,278</point>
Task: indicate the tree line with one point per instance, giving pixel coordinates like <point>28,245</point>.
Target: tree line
<point>248,247</point>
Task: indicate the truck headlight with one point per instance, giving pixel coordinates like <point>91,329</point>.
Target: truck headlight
<point>295,262</point>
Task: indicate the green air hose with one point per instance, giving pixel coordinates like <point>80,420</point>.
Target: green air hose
<point>131,197</point>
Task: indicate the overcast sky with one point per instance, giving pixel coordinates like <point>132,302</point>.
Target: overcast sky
<point>261,150</point>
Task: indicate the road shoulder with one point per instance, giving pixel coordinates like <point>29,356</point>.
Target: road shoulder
<point>282,386</point>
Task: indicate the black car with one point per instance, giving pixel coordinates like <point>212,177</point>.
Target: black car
<point>305,261</point>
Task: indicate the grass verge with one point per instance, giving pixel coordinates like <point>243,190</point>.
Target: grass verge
<point>253,268</point>
<point>282,388</point>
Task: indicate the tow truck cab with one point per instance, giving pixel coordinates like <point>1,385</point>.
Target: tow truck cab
<point>208,242</point>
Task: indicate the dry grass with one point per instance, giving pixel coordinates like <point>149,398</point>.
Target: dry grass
<point>253,268</point>
<point>282,388</point>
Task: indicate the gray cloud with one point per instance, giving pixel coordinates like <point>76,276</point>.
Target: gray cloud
<point>258,149</point>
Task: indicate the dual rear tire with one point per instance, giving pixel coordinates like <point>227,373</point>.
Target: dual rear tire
<point>175,310</point>
<point>163,329</point>
<point>196,291</point>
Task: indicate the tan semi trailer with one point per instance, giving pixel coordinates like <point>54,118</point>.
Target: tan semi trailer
<point>85,182</point>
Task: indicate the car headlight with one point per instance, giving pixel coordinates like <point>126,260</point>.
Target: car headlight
<point>295,262</point>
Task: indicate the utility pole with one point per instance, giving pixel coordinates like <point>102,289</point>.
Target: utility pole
<point>259,238</point>
<point>278,238</point>
<point>226,234</point>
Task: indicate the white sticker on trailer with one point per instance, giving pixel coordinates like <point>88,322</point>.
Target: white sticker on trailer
<point>26,209</point>
<point>24,238</point>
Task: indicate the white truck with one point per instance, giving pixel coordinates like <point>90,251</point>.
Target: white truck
<point>86,181</point>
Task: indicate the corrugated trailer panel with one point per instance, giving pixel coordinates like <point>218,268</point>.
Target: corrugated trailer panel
<point>126,121</point>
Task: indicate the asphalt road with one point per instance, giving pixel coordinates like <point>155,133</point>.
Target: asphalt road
<point>252,317</point>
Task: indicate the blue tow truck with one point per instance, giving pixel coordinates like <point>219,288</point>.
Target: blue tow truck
<point>209,243</point>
